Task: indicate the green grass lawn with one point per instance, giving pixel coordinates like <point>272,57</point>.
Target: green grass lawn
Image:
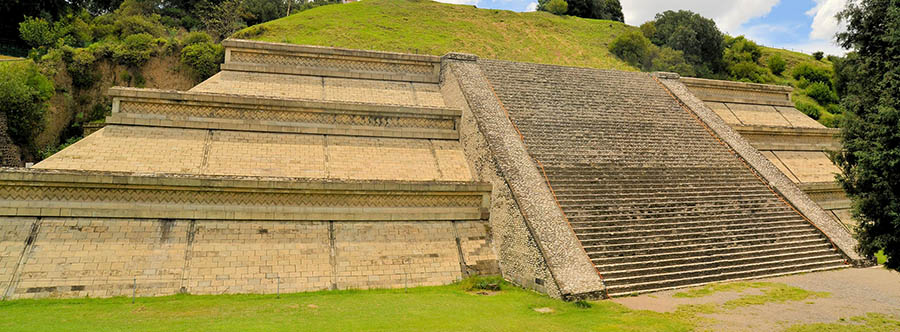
<point>427,27</point>
<point>444,308</point>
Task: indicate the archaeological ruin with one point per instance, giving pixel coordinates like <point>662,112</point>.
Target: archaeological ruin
<point>301,168</point>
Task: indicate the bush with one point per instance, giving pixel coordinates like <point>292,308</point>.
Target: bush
<point>557,7</point>
<point>809,109</point>
<point>135,50</point>
<point>777,65</point>
<point>834,109</point>
<point>822,93</point>
<point>831,120</point>
<point>746,71</point>
<point>24,92</point>
<point>203,59</point>
<point>812,73</point>
<point>196,37</point>
<point>37,32</point>
<point>81,68</point>
<point>632,47</point>
<point>250,32</point>
<point>135,24</point>
<point>667,59</point>
<point>818,55</point>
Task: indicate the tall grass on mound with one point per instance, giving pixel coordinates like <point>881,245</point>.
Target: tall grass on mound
<point>427,27</point>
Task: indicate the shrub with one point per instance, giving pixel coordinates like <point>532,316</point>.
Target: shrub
<point>777,64</point>
<point>203,59</point>
<point>818,55</point>
<point>135,24</point>
<point>24,92</point>
<point>81,68</point>
<point>135,50</point>
<point>809,109</point>
<point>49,150</point>
<point>831,120</point>
<point>667,59</point>
<point>557,7</point>
<point>476,283</point>
<point>822,93</point>
<point>632,47</point>
<point>812,73</point>
<point>251,32</point>
<point>746,71</point>
<point>834,109</point>
<point>37,32</point>
<point>196,37</point>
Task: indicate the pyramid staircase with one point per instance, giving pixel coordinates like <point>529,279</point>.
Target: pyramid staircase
<point>655,199</point>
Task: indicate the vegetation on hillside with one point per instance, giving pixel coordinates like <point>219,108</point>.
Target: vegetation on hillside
<point>869,80</point>
<point>24,93</point>
<point>597,9</point>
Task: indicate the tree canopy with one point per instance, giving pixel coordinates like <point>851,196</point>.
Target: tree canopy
<point>597,9</point>
<point>696,36</point>
<point>870,159</point>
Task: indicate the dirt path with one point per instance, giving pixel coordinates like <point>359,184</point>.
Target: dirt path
<point>853,292</point>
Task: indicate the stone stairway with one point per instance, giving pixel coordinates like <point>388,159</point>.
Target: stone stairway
<point>656,201</point>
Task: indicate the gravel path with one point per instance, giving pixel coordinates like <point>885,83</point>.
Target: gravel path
<point>854,292</point>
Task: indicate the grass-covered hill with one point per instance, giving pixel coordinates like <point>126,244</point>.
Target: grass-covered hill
<point>426,27</point>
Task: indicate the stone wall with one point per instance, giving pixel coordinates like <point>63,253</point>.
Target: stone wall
<point>102,257</point>
<point>10,156</point>
<point>520,260</point>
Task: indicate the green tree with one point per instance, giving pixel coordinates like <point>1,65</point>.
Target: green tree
<point>597,9</point>
<point>696,36</point>
<point>632,47</point>
<point>556,7</point>
<point>870,159</point>
<point>777,64</point>
<point>24,92</point>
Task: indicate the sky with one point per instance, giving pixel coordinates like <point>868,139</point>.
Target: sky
<point>800,25</point>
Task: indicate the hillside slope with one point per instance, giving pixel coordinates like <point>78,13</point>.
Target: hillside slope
<point>426,27</point>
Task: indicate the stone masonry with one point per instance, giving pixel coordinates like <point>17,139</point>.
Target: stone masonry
<point>300,168</point>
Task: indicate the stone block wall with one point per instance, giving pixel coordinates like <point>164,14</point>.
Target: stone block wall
<point>103,257</point>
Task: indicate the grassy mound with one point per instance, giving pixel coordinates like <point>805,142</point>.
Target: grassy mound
<point>426,27</point>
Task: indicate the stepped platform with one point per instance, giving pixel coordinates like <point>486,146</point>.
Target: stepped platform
<point>795,143</point>
<point>654,195</point>
<point>293,169</point>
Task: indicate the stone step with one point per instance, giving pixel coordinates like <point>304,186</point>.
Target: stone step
<point>660,190</point>
<point>628,290</point>
<point>761,236</point>
<point>681,223</point>
<point>682,250</point>
<point>591,184</point>
<point>674,229</point>
<point>616,265</point>
<point>688,235</point>
<point>616,287</point>
<point>649,200</point>
<point>613,209</point>
<point>626,218</point>
<point>712,262</point>
<point>739,249</point>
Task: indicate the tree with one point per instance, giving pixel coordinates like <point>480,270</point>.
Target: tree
<point>696,36</point>
<point>597,9</point>
<point>777,64</point>
<point>818,55</point>
<point>870,158</point>
<point>557,7</point>
<point>223,19</point>
<point>24,92</point>
<point>632,47</point>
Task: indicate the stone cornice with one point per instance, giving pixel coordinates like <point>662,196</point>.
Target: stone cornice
<point>29,192</point>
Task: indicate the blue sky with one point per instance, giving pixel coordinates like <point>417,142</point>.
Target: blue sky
<point>801,25</point>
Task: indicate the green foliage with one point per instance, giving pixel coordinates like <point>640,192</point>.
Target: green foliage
<point>748,72</point>
<point>871,140</point>
<point>203,58</point>
<point>135,50</point>
<point>136,24</point>
<point>196,37</point>
<point>254,31</point>
<point>557,7</point>
<point>37,32</point>
<point>698,37</point>
<point>632,47</point>
<point>834,109</point>
<point>818,55</point>
<point>81,68</point>
<point>596,9</point>
<point>809,109</point>
<point>777,65</point>
<point>582,304</point>
<point>48,151</point>
<point>24,92</point>
<point>635,49</point>
<point>222,19</point>
<point>740,49</point>
<point>812,73</point>
<point>831,120</point>
<point>822,93</point>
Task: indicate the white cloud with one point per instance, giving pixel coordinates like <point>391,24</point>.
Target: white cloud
<point>729,15</point>
<point>460,2</point>
<point>532,6</point>
<point>824,24</point>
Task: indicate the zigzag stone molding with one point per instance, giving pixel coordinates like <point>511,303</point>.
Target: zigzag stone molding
<point>44,193</point>
<point>738,92</point>
<point>253,56</point>
<point>180,109</point>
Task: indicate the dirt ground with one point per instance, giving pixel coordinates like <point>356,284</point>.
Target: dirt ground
<point>853,292</point>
